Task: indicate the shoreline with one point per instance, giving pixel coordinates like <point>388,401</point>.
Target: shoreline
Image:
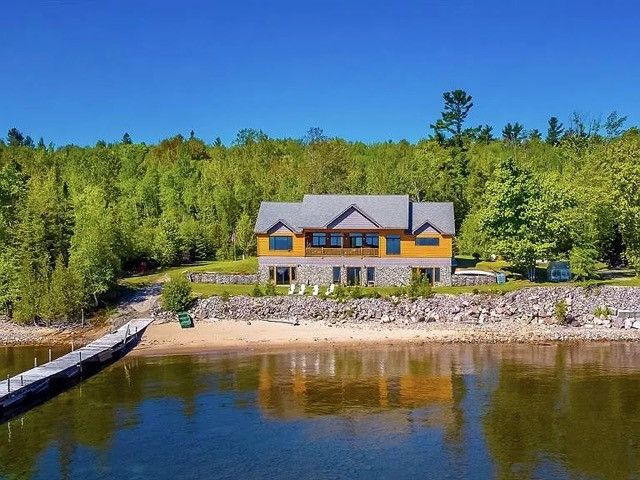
<point>213,336</point>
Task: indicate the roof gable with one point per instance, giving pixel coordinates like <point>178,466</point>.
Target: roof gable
<point>280,227</point>
<point>426,228</point>
<point>439,215</point>
<point>353,217</point>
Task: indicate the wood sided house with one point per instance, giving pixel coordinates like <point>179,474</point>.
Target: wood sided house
<point>354,239</point>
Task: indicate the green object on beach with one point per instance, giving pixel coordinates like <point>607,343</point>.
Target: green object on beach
<point>185,320</point>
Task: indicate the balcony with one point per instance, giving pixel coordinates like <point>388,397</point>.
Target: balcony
<point>342,252</point>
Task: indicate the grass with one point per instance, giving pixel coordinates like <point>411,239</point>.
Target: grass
<point>205,290</point>
<point>248,265</point>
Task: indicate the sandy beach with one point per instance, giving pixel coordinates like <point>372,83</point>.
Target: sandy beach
<point>207,336</point>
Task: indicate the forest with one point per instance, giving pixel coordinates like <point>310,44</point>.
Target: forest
<point>74,219</point>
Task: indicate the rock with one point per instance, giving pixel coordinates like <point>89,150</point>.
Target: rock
<point>636,324</point>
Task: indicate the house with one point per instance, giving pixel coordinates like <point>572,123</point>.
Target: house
<point>354,239</point>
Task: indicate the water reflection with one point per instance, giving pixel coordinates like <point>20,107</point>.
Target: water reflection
<point>512,411</point>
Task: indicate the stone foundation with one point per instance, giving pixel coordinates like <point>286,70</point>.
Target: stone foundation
<point>385,275</point>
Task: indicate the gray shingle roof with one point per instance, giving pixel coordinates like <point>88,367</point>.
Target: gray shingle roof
<point>388,211</point>
<point>438,214</point>
<point>271,213</point>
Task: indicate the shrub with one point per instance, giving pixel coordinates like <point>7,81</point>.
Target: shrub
<point>256,292</point>
<point>225,296</point>
<point>340,293</point>
<point>560,310</point>
<point>176,294</point>
<point>356,292</point>
<point>270,289</point>
<point>420,286</point>
<point>583,263</point>
<point>602,311</point>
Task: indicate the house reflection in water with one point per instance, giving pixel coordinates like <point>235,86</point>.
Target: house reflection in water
<point>335,382</point>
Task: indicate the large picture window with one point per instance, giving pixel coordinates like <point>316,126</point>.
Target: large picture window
<point>280,243</point>
<point>336,240</point>
<point>427,241</point>
<point>393,244</point>
<point>282,275</point>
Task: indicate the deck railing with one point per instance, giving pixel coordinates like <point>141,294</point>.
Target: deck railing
<point>342,252</point>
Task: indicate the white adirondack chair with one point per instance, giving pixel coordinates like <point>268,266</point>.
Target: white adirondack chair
<point>303,287</point>
<point>292,289</point>
<point>316,290</point>
<point>330,290</point>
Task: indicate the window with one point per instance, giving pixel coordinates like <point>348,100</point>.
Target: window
<point>393,244</point>
<point>371,275</point>
<point>282,275</point>
<point>356,239</point>
<point>336,275</point>
<point>427,241</point>
<point>280,243</point>
<point>353,276</point>
<point>371,240</point>
<point>336,240</point>
<point>318,239</point>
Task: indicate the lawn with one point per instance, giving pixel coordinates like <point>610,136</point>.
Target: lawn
<point>248,265</point>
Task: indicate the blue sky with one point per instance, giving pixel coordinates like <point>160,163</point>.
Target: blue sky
<point>76,71</point>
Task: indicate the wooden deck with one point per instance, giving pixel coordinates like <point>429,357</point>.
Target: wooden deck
<point>44,381</point>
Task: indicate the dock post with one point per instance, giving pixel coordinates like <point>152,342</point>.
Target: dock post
<point>35,361</point>
<point>8,383</point>
<point>72,346</point>
<point>80,364</point>
<point>49,355</point>
<point>22,380</point>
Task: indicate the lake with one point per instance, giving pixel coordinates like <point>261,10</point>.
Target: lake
<point>437,411</point>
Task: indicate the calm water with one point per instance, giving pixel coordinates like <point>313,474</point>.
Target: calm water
<point>466,411</point>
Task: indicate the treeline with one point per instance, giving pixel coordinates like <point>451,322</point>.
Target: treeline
<point>72,219</point>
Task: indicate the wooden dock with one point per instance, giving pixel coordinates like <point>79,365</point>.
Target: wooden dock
<point>25,390</point>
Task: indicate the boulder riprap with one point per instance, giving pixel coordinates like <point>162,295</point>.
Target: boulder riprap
<point>534,305</point>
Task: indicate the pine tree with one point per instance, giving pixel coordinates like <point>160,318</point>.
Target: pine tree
<point>457,104</point>
<point>513,133</point>
<point>15,138</point>
<point>126,139</point>
<point>555,131</point>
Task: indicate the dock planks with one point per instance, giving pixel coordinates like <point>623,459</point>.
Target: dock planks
<point>72,366</point>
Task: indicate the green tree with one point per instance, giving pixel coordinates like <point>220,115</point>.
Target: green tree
<point>554,131</point>
<point>513,133</point>
<point>583,263</point>
<point>176,294</point>
<point>457,104</point>
<point>94,246</point>
<point>512,218</point>
<point>245,237</point>
<point>15,138</point>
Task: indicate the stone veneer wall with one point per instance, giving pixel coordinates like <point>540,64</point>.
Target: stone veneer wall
<point>471,280</point>
<point>386,275</point>
<point>223,278</point>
